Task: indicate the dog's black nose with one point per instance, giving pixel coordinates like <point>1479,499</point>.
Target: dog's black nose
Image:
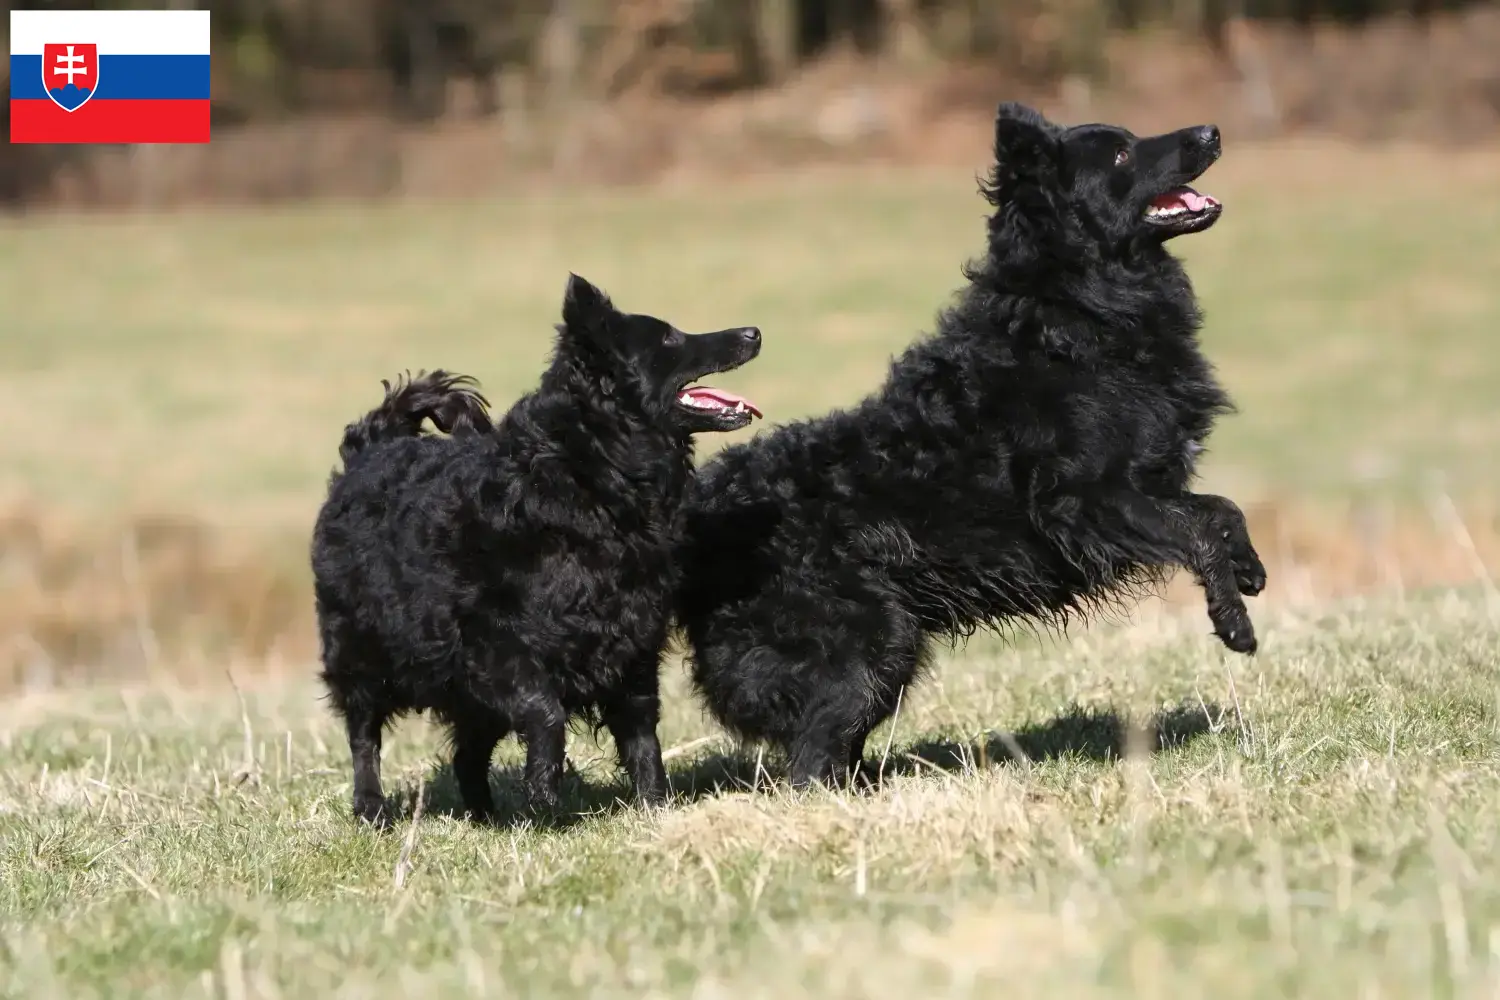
<point>751,334</point>
<point>1208,135</point>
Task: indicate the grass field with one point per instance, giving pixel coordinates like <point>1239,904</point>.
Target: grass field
<point>1318,821</point>
<point>1322,824</point>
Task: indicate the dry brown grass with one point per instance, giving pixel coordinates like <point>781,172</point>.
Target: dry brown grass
<point>168,595</point>
<point>85,600</point>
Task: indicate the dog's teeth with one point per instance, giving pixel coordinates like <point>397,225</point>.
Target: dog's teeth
<point>739,407</point>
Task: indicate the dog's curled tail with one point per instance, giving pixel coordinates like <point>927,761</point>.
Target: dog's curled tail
<point>452,402</point>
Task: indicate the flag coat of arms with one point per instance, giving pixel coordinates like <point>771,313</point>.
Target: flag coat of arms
<point>118,76</point>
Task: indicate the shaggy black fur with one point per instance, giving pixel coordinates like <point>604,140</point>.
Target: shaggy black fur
<point>1027,464</point>
<point>512,577</point>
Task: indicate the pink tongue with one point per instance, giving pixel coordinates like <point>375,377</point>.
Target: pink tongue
<point>721,396</point>
<point>1189,199</point>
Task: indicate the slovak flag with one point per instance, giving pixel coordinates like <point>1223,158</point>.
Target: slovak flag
<point>119,76</point>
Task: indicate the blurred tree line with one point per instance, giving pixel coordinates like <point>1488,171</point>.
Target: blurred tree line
<point>275,58</point>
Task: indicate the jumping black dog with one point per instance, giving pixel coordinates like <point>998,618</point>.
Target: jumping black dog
<point>1030,461</point>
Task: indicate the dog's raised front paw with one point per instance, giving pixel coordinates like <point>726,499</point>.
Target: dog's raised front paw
<point>1250,578</point>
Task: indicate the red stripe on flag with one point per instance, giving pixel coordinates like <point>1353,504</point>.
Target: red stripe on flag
<point>110,121</point>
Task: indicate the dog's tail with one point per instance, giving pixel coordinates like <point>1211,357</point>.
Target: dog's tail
<point>452,402</point>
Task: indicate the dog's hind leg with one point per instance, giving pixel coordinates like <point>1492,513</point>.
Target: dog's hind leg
<point>821,748</point>
<point>851,681</point>
<point>474,737</point>
<point>829,744</point>
<point>857,752</point>
<point>632,716</point>
<point>354,673</point>
<point>365,723</point>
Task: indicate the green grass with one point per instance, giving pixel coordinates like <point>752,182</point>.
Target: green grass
<point>206,363</point>
<point>1320,822</point>
<point>1327,829</point>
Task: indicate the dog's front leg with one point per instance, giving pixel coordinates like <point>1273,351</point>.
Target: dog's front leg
<point>543,725</point>
<point>632,716</point>
<point>1127,527</point>
<point>1215,568</point>
<point>1223,519</point>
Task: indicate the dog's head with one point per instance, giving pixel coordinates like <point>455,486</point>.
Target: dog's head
<point>649,365</point>
<point>1099,183</point>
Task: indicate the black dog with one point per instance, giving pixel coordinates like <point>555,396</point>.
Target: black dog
<point>510,578</point>
<point>1028,463</point>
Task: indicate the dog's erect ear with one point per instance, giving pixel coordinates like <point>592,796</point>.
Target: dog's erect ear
<point>1028,232</point>
<point>585,307</point>
<point>1017,112</point>
<point>1025,142</point>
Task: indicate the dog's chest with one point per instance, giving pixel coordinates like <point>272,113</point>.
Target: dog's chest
<point>1169,403</point>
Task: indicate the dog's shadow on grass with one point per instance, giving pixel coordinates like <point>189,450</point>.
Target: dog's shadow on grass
<point>1078,733</point>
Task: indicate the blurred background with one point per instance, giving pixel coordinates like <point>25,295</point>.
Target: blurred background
<point>405,184</point>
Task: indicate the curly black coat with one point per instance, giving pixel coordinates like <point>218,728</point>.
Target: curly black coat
<point>511,577</point>
<point>1028,463</point>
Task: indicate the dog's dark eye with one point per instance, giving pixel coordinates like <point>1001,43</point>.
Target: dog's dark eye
<point>1122,156</point>
<point>673,338</point>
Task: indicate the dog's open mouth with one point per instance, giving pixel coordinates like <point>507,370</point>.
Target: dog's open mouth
<point>1182,209</point>
<point>731,407</point>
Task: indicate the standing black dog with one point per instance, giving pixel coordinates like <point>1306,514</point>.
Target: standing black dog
<point>1030,461</point>
<point>510,578</point>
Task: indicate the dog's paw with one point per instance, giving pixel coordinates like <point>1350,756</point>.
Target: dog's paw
<point>1238,636</point>
<point>1233,626</point>
<point>1240,641</point>
<point>1234,535</point>
<point>863,778</point>
<point>649,782</point>
<point>373,810</point>
<point>1249,576</point>
<point>652,798</point>
<point>480,815</point>
<point>1249,571</point>
<point>543,801</point>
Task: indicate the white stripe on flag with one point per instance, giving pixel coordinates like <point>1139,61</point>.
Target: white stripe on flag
<point>116,32</point>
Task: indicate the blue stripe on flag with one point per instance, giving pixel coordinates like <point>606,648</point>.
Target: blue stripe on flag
<point>124,78</point>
